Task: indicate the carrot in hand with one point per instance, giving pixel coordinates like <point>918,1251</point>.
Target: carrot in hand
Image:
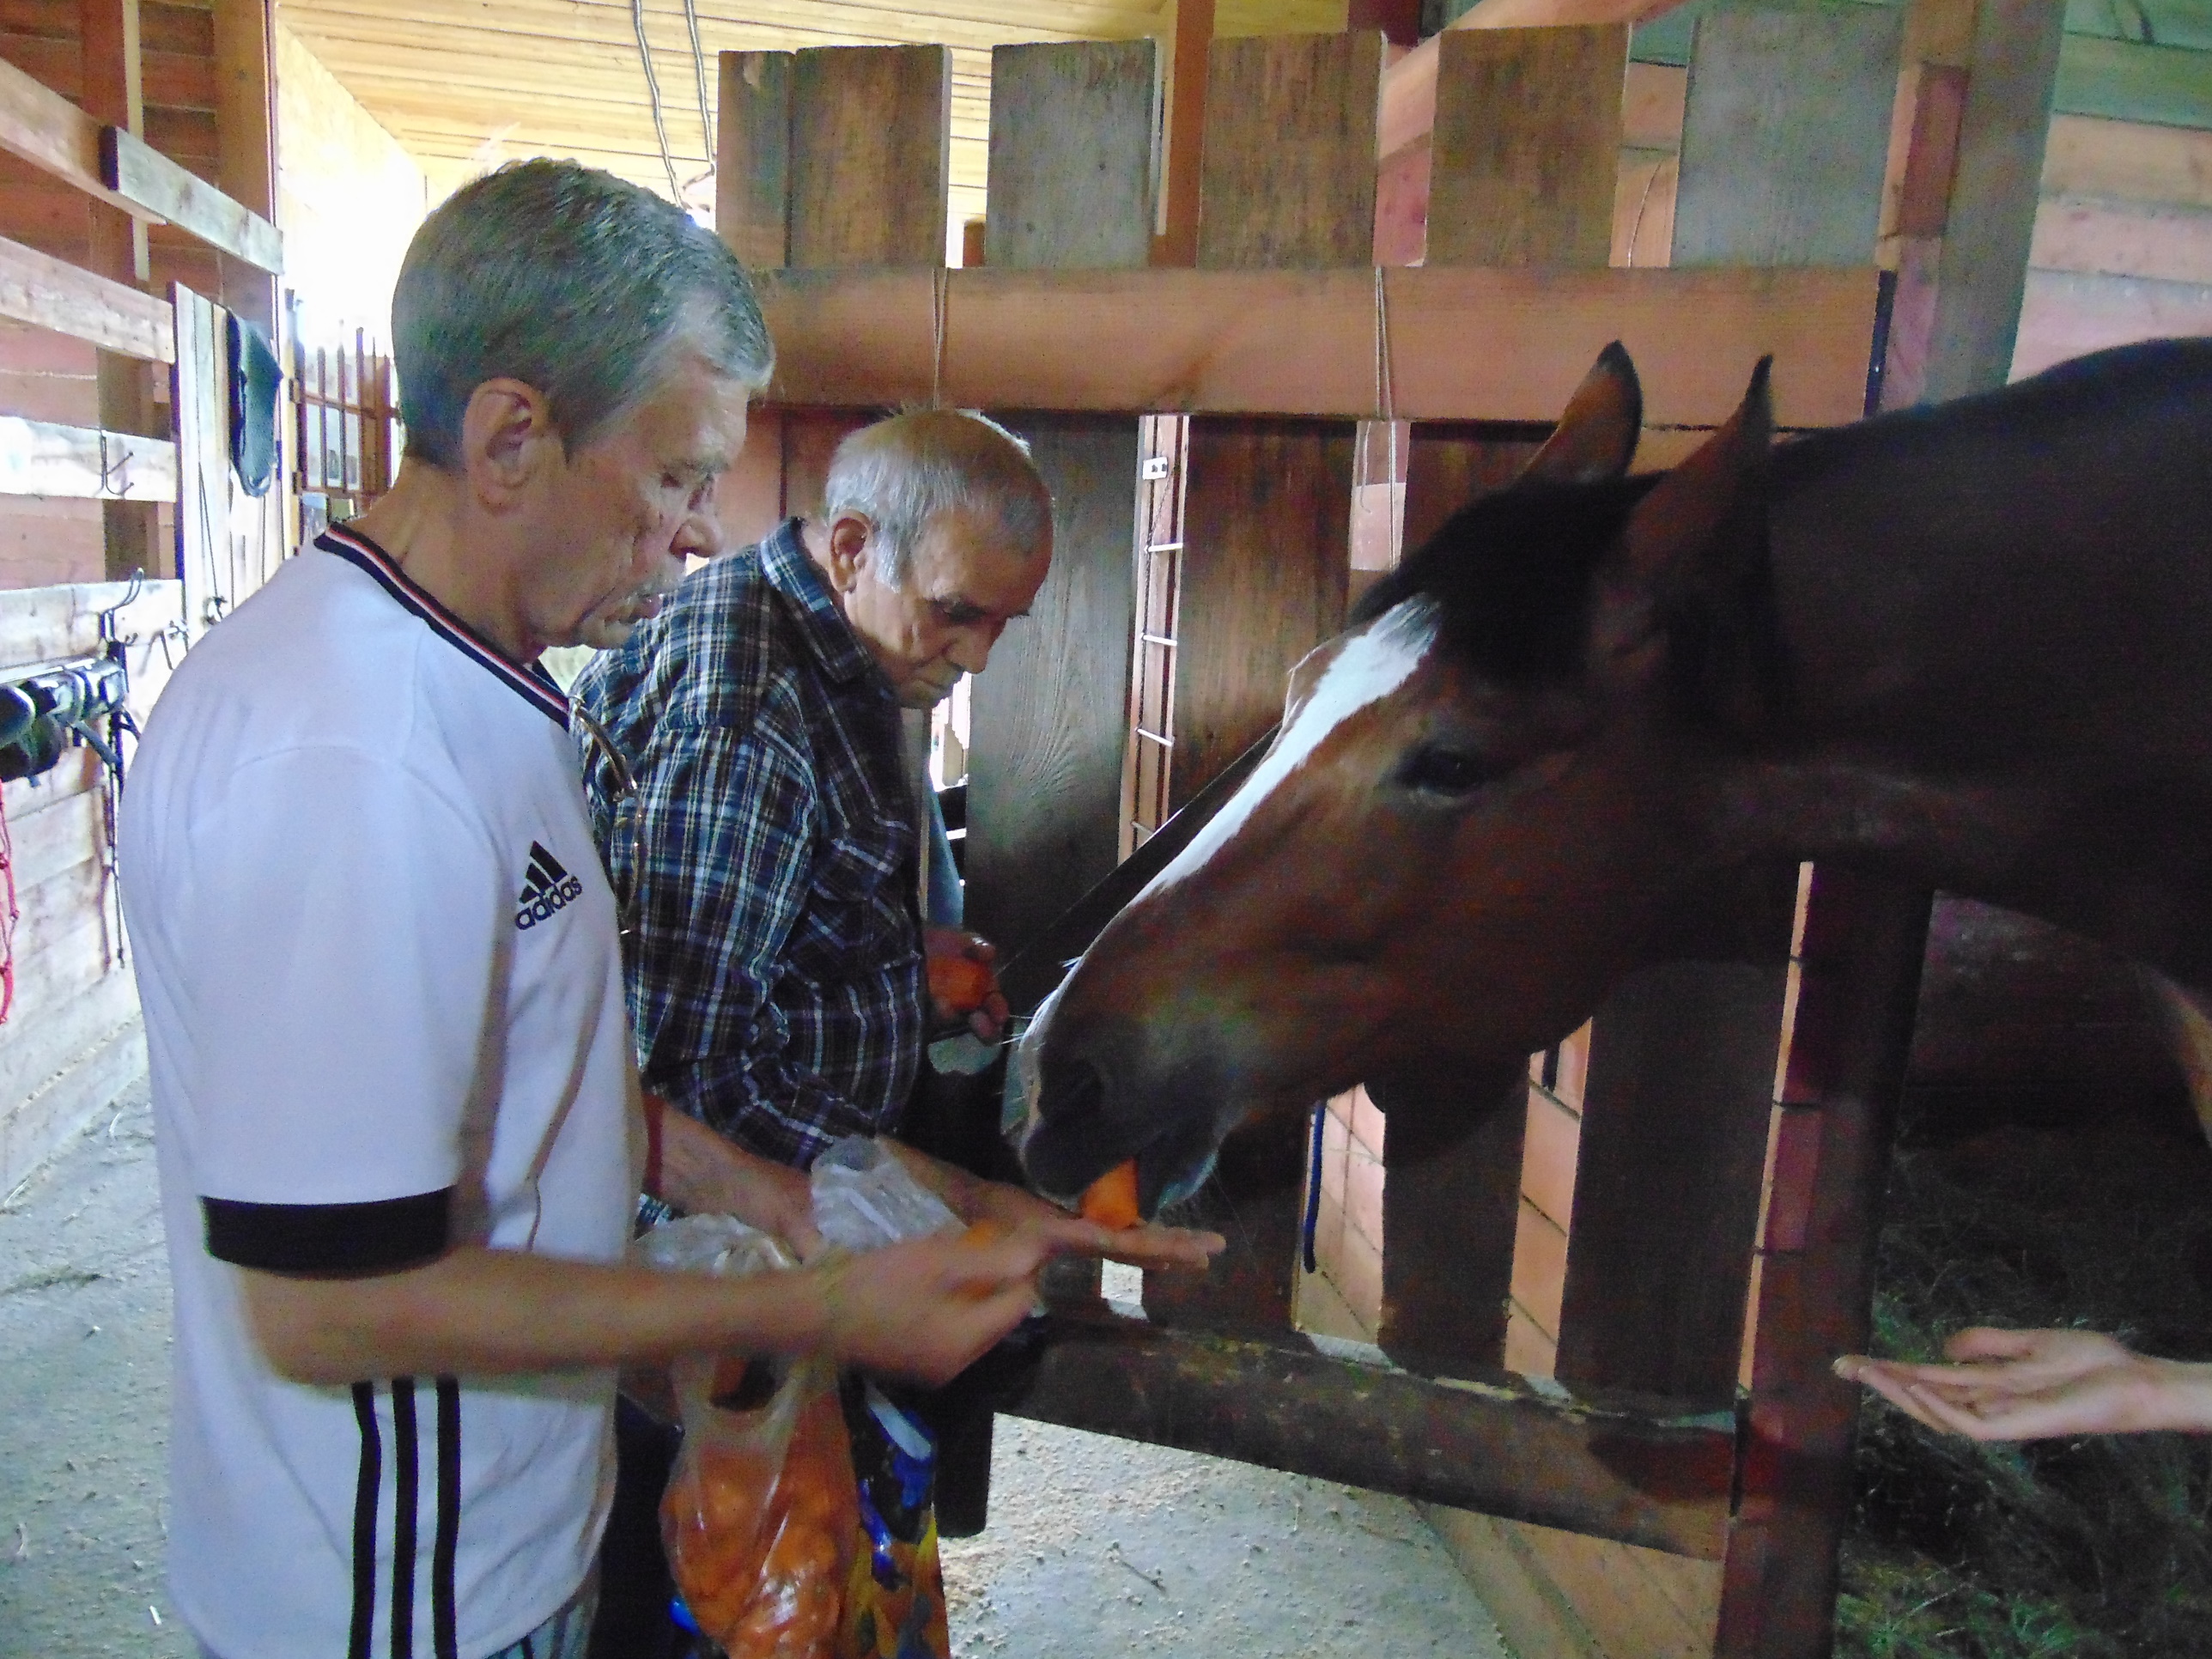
<point>1111,1201</point>
<point>961,983</point>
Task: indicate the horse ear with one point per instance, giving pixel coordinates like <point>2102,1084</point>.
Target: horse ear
<point>1595,439</point>
<point>1692,569</point>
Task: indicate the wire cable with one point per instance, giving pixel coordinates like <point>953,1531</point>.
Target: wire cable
<point>652,92</point>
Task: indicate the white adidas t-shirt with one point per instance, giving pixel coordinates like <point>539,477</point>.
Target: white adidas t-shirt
<point>384,1009</point>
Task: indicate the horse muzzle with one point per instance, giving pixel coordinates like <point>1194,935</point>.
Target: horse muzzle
<point>1074,1114</point>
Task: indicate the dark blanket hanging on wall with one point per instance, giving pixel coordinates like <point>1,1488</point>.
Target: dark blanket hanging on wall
<point>255,376</point>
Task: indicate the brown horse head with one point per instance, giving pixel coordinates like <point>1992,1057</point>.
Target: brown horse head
<point>1481,793</point>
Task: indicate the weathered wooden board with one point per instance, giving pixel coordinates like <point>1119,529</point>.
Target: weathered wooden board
<point>1525,147</point>
<point>1049,719</point>
<point>1213,340</point>
<point>869,127</point>
<point>1266,520</point>
<point>1072,155</point>
<point>39,457</point>
<point>1449,1221</point>
<point>1983,270</point>
<point>752,168</point>
<point>199,404</point>
<point>142,176</point>
<point>50,132</point>
<point>1289,169</point>
<point>1615,1467</point>
<point>1072,138</point>
<point>50,293</point>
<point>1786,134</point>
<point>1681,1077</point>
<point>1859,944</point>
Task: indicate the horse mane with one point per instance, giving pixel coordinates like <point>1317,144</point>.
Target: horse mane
<point>1511,575</point>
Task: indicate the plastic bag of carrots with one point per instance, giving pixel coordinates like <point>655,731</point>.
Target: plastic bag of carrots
<point>761,1517</point>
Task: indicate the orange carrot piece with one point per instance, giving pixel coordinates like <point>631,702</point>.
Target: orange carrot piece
<point>961,983</point>
<point>1111,1201</point>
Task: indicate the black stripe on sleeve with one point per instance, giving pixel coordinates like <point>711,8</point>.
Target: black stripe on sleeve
<point>364,1521</point>
<point>406,1493</point>
<point>380,1237</point>
<point>449,1519</point>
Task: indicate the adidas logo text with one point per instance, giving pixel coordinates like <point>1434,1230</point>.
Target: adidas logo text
<point>548,887</point>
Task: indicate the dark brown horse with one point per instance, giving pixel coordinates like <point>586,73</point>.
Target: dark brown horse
<point>1971,645</point>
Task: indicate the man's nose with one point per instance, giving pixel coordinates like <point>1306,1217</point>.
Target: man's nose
<point>699,535</point>
<point>971,652</point>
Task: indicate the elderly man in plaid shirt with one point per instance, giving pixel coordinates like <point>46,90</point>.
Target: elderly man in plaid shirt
<point>772,850</point>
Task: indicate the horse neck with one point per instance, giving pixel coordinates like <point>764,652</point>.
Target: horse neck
<point>1996,615</point>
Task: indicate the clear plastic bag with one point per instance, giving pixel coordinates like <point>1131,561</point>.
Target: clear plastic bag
<point>865,1199</point>
<point>761,1515</point>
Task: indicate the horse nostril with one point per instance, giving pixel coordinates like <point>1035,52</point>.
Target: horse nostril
<point>1072,1088</point>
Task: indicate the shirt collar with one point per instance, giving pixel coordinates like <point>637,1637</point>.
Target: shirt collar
<point>534,685</point>
<point>791,570</point>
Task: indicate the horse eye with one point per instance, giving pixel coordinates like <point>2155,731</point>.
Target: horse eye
<point>1439,771</point>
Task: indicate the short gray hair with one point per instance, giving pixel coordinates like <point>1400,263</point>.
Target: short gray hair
<point>571,280</point>
<point>900,473</point>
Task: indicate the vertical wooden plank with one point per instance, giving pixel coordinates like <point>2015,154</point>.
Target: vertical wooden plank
<point>1786,134</point>
<point>109,35</point>
<point>1526,145</point>
<point>1049,721</point>
<point>1681,1078</point>
<point>1287,180</point>
<point>1266,525</point>
<point>869,135</point>
<point>1781,105</point>
<point>245,143</point>
<point>202,521</point>
<point>1983,272</point>
<point>1859,948</point>
<point>1524,150</point>
<point>752,158</point>
<point>1072,155</point>
<point>1184,107</point>
<point>1070,185</point>
<point>1288,175</point>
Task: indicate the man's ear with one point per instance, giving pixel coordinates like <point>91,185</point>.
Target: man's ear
<point>1691,567</point>
<point>507,437</point>
<point>1595,439</point>
<point>848,550</point>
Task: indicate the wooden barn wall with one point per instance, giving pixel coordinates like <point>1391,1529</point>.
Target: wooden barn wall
<point>2122,249</point>
<point>71,1041</point>
<point>349,197</point>
<point>46,541</point>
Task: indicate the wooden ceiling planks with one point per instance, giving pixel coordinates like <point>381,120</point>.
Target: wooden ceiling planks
<point>465,84</point>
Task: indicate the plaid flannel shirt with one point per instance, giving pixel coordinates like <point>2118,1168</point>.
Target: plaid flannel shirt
<point>775,974</point>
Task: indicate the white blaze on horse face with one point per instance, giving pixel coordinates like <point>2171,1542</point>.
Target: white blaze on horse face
<point>1368,666</point>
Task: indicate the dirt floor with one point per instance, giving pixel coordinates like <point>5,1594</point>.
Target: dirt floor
<point>1096,1547</point>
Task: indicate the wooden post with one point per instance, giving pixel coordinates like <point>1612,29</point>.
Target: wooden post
<point>116,250</point>
<point>1288,180</point>
<point>1070,185</point>
<point>1184,87</point>
<point>2003,129</point>
<point>829,158</point>
<point>1523,153</point>
<point>1858,950</point>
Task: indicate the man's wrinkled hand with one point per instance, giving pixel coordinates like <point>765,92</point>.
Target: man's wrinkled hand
<point>1149,1246</point>
<point>929,1307</point>
<point>960,963</point>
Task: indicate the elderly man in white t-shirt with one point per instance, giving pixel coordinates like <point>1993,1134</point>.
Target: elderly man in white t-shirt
<point>399,1136</point>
